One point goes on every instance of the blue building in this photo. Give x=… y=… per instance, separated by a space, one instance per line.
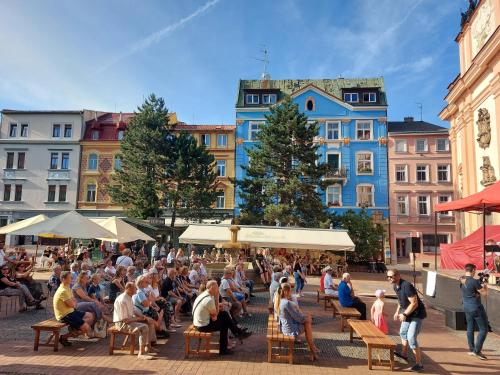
x=352 y=118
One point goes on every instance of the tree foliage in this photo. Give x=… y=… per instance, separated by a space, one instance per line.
x=282 y=177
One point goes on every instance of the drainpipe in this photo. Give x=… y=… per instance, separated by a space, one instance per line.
x=79 y=168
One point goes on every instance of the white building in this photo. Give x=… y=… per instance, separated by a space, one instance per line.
x=40 y=158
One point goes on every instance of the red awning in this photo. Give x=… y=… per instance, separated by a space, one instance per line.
x=488 y=199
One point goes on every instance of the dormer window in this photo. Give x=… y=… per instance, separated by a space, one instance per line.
x=269 y=98
x=121 y=134
x=252 y=99
x=369 y=97
x=95 y=135
x=351 y=97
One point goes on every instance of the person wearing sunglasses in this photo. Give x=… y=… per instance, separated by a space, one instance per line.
x=9 y=287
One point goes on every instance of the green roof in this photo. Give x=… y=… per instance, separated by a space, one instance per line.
x=331 y=86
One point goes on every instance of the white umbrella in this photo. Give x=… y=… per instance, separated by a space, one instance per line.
x=123 y=232
x=22 y=224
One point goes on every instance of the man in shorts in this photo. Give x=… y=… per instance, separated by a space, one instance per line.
x=64 y=309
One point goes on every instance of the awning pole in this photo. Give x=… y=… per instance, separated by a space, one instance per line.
x=435 y=240
x=484 y=236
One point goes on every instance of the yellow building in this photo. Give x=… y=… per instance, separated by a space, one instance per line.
x=473 y=108
x=220 y=142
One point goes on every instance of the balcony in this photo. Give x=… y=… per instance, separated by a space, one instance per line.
x=58 y=174
x=336 y=174
x=14 y=174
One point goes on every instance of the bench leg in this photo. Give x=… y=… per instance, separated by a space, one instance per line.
x=269 y=351
x=290 y=352
x=56 y=340
x=186 y=347
x=132 y=344
x=318 y=296
x=207 y=345
x=369 y=357
x=341 y=323
x=351 y=333
x=111 y=343
x=391 y=358
x=37 y=339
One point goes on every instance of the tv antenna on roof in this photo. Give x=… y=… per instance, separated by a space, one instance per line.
x=265 y=60
x=420 y=107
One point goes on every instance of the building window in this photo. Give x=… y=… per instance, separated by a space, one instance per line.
x=423 y=205
x=442 y=144
x=18 y=197
x=443 y=173
x=118 y=163
x=95 y=135
x=68 y=130
x=91 y=190
x=422 y=173
x=21 y=158
x=13 y=131
x=351 y=97
x=253 y=130
x=429 y=242
x=252 y=99
x=269 y=98
x=364 y=194
x=92 y=164
x=364 y=163
x=402 y=205
x=65 y=160
x=221 y=168
x=24 y=130
x=370 y=97
x=62 y=193
x=121 y=134
x=10 y=160
x=421 y=145
x=401 y=173
x=334 y=196
x=444 y=199
x=220 y=202
x=56 y=131
x=310 y=105
x=221 y=140
x=54 y=160
x=401 y=145
x=333 y=131
x=52 y=193
x=205 y=140
x=6 y=192
x=363 y=130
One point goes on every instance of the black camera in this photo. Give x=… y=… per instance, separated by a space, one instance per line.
x=483 y=277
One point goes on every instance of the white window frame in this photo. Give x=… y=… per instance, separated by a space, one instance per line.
x=348 y=97
x=218 y=200
x=16 y=125
x=338 y=193
x=62 y=160
x=427 y=173
x=253 y=96
x=448 y=170
x=405 y=201
x=87 y=193
x=426 y=143
x=120 y=135
x=372 y=193
x=427 y=203
x=96 y=162
x=48 y=193
x=50 y=160
x=448 y=199
x=224 y=136
x=63 y=131
x=446 y=147
x=358 y=154
x=339 y=130
x=65 y=194
x=252 y=132
x=94 y=131
x=372 y=97
x=405 y=166
x=358 y=123
x=221 y=165
x=269 y=101
x=21 y=130
x=203 y=139
x=60 y=130
x=399 y=141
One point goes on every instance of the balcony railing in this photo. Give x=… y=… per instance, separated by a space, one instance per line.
x=14 y=174
x=58 y=174
x=336 y=174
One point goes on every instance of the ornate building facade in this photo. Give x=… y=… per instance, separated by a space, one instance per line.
x=473 y=107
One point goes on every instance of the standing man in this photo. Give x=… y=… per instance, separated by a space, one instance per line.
x=410 y=312
x=155 y=252
x=472 y=289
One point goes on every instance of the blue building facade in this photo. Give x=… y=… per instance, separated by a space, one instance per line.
x=352 y=136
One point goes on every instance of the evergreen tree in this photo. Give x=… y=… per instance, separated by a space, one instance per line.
x=283 y=171
x=144 y=152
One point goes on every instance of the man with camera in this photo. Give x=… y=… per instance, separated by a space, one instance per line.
x=472 y=289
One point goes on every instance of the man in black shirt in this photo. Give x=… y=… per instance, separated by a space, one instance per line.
x=410 y=312
x=471 y=290
x=168 y=291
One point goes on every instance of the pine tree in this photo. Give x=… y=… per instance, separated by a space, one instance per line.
x=284 y=171
x=143 y=152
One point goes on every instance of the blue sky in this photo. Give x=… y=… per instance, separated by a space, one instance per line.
x=107 y=55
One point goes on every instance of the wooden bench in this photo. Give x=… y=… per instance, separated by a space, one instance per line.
x=54 y=327
x=374 y=338
x=192 y=333
x=327 y=298
x=274 y=335
x=114 y=331
x=345 y=313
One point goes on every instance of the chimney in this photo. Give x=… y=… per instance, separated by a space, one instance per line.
x=408 y=119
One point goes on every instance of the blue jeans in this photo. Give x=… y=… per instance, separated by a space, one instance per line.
x=479 y=316
x=249 y=284
x=299 y=283
x=409 y=332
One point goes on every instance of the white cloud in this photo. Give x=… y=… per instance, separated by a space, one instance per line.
x=418 y=66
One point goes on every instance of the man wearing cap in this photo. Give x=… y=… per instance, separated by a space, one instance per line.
x=330 y=287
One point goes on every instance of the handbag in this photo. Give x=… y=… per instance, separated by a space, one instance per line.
x=100 y=329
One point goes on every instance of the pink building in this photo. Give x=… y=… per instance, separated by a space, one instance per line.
x=419 y=177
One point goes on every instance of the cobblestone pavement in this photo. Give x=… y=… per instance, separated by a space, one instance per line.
x=444 y=350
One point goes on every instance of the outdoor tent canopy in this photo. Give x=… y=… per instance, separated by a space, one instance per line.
x=22 y=224
x=278 y=237
x=122 y=231
x=487 y=199
x=68 y=225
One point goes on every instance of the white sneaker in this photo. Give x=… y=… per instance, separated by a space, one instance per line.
x=145 y=357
